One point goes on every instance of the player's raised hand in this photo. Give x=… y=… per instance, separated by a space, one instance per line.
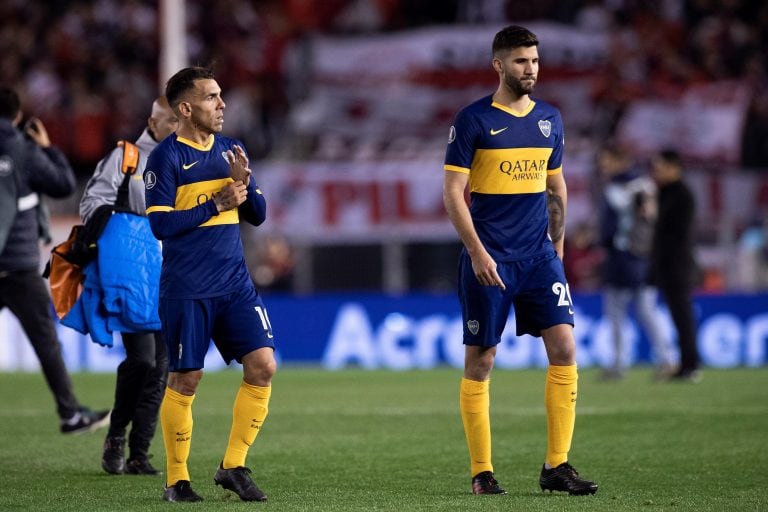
x=231 y=196
x=238 y=164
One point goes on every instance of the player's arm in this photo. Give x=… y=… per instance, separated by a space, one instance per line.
x=254 y=209
x=557 y=201
x=160 y=196
x=102 y=187
x=169 y=223
x=484 y=267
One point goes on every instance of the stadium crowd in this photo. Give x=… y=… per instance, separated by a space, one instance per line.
x=85 y=66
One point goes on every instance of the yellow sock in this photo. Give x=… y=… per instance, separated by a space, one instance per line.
x=176 y=423
x=474 y=403
x=250 y=410
x=560 y=401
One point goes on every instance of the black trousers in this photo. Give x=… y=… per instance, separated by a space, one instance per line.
x=25 y=294
x=679 y=300
x=139 y=390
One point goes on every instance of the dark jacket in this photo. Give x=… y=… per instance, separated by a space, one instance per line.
x=26 y=173
x=672 y=260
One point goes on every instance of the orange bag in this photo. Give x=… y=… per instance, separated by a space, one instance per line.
x=65 y=277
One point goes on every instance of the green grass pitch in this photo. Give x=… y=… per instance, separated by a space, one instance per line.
x=377 y=440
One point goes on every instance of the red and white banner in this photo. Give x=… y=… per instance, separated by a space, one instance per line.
x=410 y=56
x=393 y=96
x=337 y=203
x=321 y=202
x=706 y=123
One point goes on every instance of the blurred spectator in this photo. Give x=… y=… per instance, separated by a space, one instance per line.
x=673 y=266
x=752 y=265
x=275 y=263
x=754 y=151
x=627 y=216
x=91 y=51
x=583 y=257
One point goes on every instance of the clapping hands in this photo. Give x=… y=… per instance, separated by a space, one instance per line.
x=238 y=165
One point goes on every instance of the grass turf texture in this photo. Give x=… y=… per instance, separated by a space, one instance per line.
x=358 y=440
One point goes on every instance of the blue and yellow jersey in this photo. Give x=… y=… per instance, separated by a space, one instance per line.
x=508 y=156
x=202 y=249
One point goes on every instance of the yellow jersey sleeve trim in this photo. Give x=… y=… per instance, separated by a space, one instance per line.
x=159 y=209
x=552 y=172
x=456 y=168
x=201 y=147
x=514 y=112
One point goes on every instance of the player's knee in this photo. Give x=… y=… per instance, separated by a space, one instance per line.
x=185 y=382
x=562 y=354
x=479 y=369
x=260 y=374
x=266 y=371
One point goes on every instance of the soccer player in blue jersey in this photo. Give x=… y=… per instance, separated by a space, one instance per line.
x=197 y=187
x=508 y=147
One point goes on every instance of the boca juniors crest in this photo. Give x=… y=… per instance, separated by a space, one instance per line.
x=545 y=127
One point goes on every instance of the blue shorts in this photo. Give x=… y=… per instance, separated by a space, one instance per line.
x=237 y=323
x=536 y=287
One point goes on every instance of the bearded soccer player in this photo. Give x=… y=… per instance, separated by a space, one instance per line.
x=508 y=147
x=197 y=187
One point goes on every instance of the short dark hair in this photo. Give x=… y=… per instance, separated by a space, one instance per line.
x=615 y=149
x=513 y=36
x=184 y=81
x=671 y=156
x=9 y=102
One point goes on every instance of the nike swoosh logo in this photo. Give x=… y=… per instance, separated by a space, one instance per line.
x=496 y=132
x=187 y=166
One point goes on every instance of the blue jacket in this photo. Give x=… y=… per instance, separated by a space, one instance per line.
x=122 y=286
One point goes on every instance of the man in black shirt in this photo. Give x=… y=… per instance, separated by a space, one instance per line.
x=673 y=267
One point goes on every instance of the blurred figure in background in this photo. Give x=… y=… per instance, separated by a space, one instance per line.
x=141 y=376
x=275 y=264
x=583 y=257
x=673 y=266
x=752 y=267
x=627 y=216
x=29 y=168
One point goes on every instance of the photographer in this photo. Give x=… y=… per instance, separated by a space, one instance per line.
x=30 y=168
